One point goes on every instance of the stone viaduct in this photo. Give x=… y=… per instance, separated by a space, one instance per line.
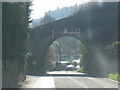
x=97 y=25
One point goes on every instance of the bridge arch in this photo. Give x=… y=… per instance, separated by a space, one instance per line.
x=96 y=33
x=59 y=42
x=42 y=37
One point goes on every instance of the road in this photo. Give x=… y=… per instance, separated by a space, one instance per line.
x=68 y=79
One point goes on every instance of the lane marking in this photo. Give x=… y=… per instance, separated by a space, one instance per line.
x=94 y=79
x=111 y=80
x=78 y=83
x=43 y=82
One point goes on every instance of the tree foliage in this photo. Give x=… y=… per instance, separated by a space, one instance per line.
x=83 y=52
x=51 y=56
x=47 y=18
x=15 y=22
x=59 y=13
x=112 y=49
x=101 y=19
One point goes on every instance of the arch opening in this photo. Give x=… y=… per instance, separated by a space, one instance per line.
x=65 y=53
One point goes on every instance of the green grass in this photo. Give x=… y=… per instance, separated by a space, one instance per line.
x=80 y=70
x=114 y=76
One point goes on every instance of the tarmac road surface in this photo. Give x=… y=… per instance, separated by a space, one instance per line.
x=68 y=79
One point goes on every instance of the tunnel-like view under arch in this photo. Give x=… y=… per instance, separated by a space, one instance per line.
x=65 y=53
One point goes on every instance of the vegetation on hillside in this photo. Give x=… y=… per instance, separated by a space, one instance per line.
x=59 y=13
x=47 y=19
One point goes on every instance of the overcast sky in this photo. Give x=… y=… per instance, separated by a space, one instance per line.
x=41 y=6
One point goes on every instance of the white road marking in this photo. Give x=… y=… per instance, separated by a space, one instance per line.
x=42 y=82
x=93 y=79
x=78 y=83
x=102 y=83
x=111 y=80
x=48 y=82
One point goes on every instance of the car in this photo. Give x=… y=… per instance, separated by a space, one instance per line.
x=70 y=67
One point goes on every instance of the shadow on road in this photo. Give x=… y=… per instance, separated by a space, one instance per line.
x=65 y=75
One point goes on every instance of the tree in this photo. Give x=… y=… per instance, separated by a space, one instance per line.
x=83 y=51
x=15 y=22
x=15 y=30
x=112 y=49
x=47 y=18
x=51 y=56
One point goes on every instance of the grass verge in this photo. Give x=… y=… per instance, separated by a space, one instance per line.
x=80 y=70
x=114 y=76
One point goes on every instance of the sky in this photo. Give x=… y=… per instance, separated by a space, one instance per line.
x=39 y=7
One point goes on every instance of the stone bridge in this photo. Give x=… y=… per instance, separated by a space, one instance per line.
x=96 y=26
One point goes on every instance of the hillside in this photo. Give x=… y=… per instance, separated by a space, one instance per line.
x=59 y=13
